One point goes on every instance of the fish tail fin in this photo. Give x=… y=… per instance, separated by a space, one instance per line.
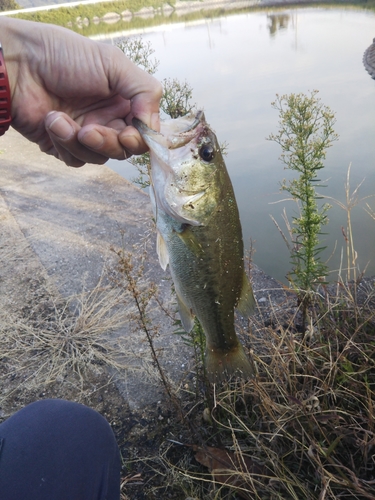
x=222 y=366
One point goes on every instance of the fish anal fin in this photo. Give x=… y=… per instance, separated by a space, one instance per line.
x=162 y=251
x=246 y=304
x=186 y=315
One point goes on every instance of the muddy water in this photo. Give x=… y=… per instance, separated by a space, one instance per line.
x=236 y=65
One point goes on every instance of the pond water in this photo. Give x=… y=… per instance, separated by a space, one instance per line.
x=236 y=65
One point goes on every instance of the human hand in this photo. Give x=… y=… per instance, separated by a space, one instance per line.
x=74 y=97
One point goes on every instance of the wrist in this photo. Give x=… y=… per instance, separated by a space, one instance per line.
x=12 y=33
x=5 y=96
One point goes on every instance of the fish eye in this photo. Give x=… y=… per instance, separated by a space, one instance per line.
x=207 y=152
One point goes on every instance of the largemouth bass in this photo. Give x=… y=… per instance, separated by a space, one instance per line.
x=199 y=235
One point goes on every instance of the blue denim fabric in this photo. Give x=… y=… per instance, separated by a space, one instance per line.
x=58 y=450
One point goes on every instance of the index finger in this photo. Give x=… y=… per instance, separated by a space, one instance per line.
x=145 y=107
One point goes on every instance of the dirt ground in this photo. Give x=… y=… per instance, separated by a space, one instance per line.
x=28 y=298
x=30 y=302
x=34 y=313
x=55 y=226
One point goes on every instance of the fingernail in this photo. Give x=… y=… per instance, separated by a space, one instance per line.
x=93 y=139
x=61 y=128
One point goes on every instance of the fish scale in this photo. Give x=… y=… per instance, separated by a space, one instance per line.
x=200 y=237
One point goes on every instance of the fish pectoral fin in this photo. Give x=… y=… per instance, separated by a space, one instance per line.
x=162 y=251
x=186 y=314
x=175 y=213
x=190 y=241
x=177 y=203
x=246 y=304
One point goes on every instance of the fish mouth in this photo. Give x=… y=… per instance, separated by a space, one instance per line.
x=197 y=120
x=173 y=133
x=169 y=148
x=142 y=128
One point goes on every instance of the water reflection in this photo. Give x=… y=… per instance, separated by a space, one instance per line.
x=236 y=65
x=277 y=22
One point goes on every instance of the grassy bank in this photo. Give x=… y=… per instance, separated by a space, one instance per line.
x=90 y=19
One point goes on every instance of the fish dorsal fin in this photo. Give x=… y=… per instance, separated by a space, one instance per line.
x=246 y=304
x=162 y=251
x=186 y=315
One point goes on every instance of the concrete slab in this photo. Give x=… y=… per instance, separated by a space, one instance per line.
x=71 y=218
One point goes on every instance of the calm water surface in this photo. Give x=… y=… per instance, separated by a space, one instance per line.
x=236 y=65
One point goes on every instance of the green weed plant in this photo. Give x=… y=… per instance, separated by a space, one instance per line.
x=305 y=133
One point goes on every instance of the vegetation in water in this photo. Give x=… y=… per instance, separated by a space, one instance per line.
x=175 y=101
x=107 y=17
x=8 y=5
x=305 y=133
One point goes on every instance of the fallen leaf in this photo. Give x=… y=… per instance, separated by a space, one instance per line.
x=230 y=468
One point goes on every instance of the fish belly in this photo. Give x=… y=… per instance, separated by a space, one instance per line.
x=207 y=271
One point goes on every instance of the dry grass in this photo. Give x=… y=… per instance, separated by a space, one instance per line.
x=303 y=428
x=306 y=422
x=60 y=337
x=46 y=338
x=308 y=419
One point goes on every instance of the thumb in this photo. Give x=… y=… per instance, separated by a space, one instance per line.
x=142 y=89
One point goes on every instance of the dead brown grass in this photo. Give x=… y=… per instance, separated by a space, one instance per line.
x=308 y=419
x=59 y=337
